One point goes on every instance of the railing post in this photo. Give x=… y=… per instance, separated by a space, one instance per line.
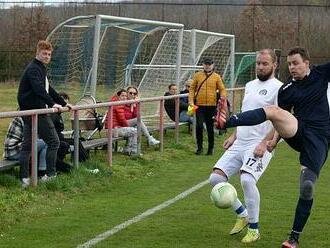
x=161 y=125
x=194 y=128
x=34 y=150
x=110 y=126
x=138 y=127
x=76 y=138
x=177 y=109
x=234 y=101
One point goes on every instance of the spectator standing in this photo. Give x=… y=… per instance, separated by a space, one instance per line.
x=35 y=92
x=203 y=93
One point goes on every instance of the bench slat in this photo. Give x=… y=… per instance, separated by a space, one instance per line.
x=7 y=164
x=93 y=143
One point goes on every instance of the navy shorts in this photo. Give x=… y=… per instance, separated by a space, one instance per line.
x=312 y=144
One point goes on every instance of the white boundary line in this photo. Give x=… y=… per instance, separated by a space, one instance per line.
x=140 y=217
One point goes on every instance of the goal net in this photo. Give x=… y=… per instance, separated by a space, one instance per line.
x=97 y=55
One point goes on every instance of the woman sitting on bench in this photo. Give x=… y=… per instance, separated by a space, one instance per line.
x=120 y=124
x=131 y=115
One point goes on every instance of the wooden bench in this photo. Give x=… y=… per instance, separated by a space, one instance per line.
x=171 y=126
x=100 y=142
x=8 y=164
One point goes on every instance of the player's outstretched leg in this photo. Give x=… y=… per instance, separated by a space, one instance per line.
x=218 y=176
x=247 y=118
x=283 y=121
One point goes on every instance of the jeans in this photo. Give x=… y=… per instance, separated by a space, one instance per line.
x=144 y=129
x=183 y=117
x=47 y=133
x=131 y=134
x=42 y=149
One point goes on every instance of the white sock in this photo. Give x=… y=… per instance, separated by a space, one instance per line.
x=239 y=208
x=251 y=196
x=237 y=205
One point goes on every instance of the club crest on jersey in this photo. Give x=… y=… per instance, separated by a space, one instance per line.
x=263 y=92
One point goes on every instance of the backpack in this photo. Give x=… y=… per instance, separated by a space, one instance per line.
x=83 y=153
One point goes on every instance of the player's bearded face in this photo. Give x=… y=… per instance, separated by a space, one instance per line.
x=265 y=75
x=264 y=67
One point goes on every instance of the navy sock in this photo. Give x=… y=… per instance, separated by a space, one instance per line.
x=247 y=118
x=303 y=211
x=254 y=225
x=240 y=209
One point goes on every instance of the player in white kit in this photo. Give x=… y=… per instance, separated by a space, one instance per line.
x=246 y=149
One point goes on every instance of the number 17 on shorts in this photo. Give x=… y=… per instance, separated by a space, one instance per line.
x=256 y=166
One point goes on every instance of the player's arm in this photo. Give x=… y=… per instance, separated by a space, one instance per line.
x=228 y=142
x=271 y=144
x=261 y=148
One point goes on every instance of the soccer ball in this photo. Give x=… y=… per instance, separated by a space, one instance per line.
x=223 y=195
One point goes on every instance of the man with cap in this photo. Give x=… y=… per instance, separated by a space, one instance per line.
x=203 y=93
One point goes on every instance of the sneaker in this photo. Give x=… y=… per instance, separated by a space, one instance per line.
x=240 y=224
x=25 y=182
x=126 y=150
x=252 y=235
x=290 y=243
x=95 y=171
x=199 y=151
x=46 y=178
x=152 y=141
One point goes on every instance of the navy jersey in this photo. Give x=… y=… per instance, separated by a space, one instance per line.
x=308 y=98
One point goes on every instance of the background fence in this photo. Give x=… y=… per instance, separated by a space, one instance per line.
x=256 y=24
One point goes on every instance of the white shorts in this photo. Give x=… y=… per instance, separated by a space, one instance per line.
x=238 y=158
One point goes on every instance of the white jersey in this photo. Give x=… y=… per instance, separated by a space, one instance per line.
x=258 y=94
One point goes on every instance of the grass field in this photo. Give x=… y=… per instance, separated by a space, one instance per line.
x=75 y=208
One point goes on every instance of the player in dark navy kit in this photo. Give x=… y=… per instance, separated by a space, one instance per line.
x=306 y=129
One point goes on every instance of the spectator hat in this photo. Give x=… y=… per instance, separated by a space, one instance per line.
x=208 y=61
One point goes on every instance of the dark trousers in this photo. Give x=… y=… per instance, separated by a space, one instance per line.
x=47 y=133
x=62 y=166
x=205 y=114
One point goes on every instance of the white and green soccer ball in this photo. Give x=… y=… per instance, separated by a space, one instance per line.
x=223 y=195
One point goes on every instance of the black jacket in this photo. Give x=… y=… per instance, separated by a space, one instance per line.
x=170 y=106
x=32 y=92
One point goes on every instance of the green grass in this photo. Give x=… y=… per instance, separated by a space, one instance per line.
x=76 y=207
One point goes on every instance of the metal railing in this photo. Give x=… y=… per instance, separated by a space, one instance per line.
x=34 y=113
